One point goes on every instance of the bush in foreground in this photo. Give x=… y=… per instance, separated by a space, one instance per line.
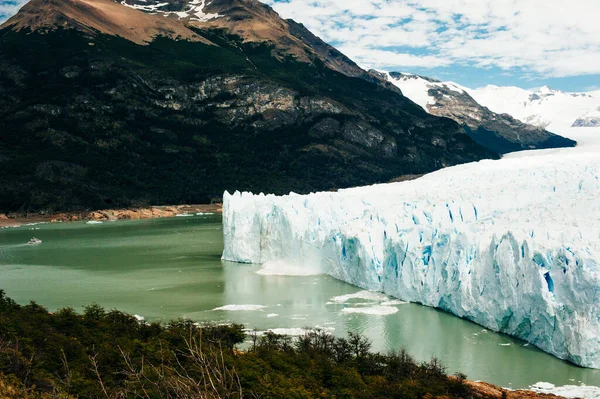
x=109 y=354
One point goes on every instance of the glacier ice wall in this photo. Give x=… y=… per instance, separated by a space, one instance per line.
x=513 y=245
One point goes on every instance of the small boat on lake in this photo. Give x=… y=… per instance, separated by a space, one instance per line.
x=34 y=241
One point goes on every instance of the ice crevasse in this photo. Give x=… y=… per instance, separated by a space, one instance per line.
x=513 y=245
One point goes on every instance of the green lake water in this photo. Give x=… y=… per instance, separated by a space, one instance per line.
x=164 y=269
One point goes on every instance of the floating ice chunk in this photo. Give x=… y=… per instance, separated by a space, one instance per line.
x=184 y=214
x=567 y=391
x=288 y=331
x=270 y=315
x=295 y=331
x=393 y=303
x=241 y=307
x=367 y=295
x=543 y=385
x=139 y=318
x=282 y=268
x=93 y=222
x=373 y=310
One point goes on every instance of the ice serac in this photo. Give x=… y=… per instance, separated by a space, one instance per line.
x=512 y=245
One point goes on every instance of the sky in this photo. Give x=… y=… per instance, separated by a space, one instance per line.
x=524 y=43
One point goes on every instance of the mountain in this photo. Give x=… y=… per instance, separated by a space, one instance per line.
x=94 y=16
x=590 y=119
x=105 y=104
x=499 y=132
x=554 y=110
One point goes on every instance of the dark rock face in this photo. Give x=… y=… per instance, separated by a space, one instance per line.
x=97 y=121
x=367 y=136
x=325 y=128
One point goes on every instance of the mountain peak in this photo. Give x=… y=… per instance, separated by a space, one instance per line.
x=140 y=21
x=98 y=16
x=546 y=90
x=257 y=22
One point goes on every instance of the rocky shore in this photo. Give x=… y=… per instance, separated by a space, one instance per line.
x=19 y=219
x=487 y=390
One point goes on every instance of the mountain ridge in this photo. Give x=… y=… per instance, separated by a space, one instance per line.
x=92 y=120
x=252 y=20
x=551 y=109
x=498 y=132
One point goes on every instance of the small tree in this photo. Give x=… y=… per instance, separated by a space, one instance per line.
x=360 y=345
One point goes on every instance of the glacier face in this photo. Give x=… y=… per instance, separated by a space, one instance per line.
x=513 y=245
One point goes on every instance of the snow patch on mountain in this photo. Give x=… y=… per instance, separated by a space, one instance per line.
x=194 y=10
x=415 y=88
x=552 y=109
x=546 y=108
x=513 y=245
x=197 y=13
x=146 y=7
x=591 y=119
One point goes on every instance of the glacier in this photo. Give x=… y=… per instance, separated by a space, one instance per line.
x=513 y=244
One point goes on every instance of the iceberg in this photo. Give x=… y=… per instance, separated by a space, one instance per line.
x=513 y=245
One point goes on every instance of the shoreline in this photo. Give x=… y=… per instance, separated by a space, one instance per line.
x=493 y=391
x=18 y=219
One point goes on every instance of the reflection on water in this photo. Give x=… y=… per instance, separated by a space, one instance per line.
x=169 y=268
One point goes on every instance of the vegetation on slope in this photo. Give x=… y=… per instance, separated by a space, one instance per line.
x=93 y=122
x=109 y=354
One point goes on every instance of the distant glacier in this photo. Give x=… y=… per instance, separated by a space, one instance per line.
x=513 y=245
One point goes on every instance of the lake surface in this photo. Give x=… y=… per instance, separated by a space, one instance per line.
x=163 y=269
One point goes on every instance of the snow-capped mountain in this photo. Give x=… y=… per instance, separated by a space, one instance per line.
x=591 y=119
x=554 y=110
x=499 y=132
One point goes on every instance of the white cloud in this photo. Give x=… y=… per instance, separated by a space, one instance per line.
x=542 y=37
x=374 y=58
x=9 y=8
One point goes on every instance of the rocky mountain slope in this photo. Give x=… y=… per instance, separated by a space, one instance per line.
x=499 y=132
x=551 y=109
x=105 y=105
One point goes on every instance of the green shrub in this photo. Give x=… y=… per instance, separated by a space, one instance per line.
x=110 y=354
